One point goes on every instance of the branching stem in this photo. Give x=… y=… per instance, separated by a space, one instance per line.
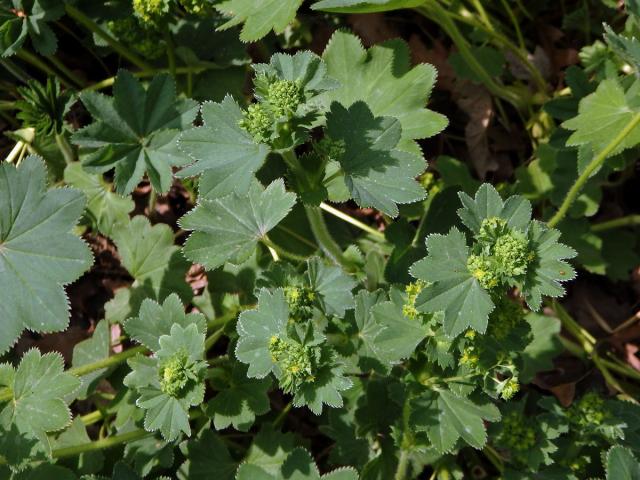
x=593 y=166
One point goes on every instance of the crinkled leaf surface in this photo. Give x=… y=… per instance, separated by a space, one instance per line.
x=207 y=458
x=398 y=336
x=621 y=464
x=549 y=268
x=136 y=131
x=487 y=203
x=92 y=350
x=259 y=16
x=376 y=173
x=241 y=402
x=332 y=285
x=168 y=413
x=104 y=207
x=226 y=153
x=39 y=386
x=256 y=327
x=603 y=115
x=150 y=256
x=382 y=77
x=228 y=229
x=299 y=465
x=452 y=289
x=33 y=22
x=155 y=320
x=38 y=254
x=446 y=418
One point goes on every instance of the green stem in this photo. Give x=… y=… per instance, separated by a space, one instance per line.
x=72 y=77
x=15 y=70
x=7 y=105
x=282 y=415
x=323 y=236
x=493 y=457
x=65 y=148
x=107 y=362
x=594 y=165
x=403 y=466
x=438 y=14
x=108 y=82
x=285 y=253
x=40 y=65
x=125 y=52
x=171 y=54
x=378 y=235
x=628 y=221
x=515 y=23
x=213 y=338
x=101 y=444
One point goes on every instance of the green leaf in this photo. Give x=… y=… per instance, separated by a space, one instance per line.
x=364 y=6
x=398 y=336
x=207 y=457
x=258 y=329
x=259 y=16
x=452 y=289
x=105 y=209
x=92 y=350
x=38 y=254
x=627 y=48
x=226 y=153
x=377 y=174
x=516 y=211
x=37 y=406
x=76 y=434
x=332 y=285
x=270 y=448
x=446 y=417
x=151 y=258
x=155 y=320
x=538 y=355
x=383 y=78
x=136 y=131
x=602 y=116
x=622 y=465
x=240 y=403
x=548 y=269
x=491 y=59
x=171 y=382
x=299 y=465
x=34 y=22
x=228 y=229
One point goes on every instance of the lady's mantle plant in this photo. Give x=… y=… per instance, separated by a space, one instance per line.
x=400 y=359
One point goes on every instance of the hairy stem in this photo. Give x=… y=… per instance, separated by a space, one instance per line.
x=403 y=466
x=594 y=165
x=73 y=78
x=90 y=25
x=321 y=232
x=628 y=221
x=376 y=234
x=66 y=149
x=281 y=251
x=101 y=444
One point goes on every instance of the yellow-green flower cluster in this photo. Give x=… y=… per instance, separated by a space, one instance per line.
x=517 y=435
x=175 y=373
x=150 y=11
x=300 y=301
x=258 y=122
x=413 y=290
x=144 y=39
x=197 y=7
x=512 y=254
x=295 y=362
x=284 y=97
x=483 y=269
x=504 y=318
x=589 y=411
x=509 y=388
